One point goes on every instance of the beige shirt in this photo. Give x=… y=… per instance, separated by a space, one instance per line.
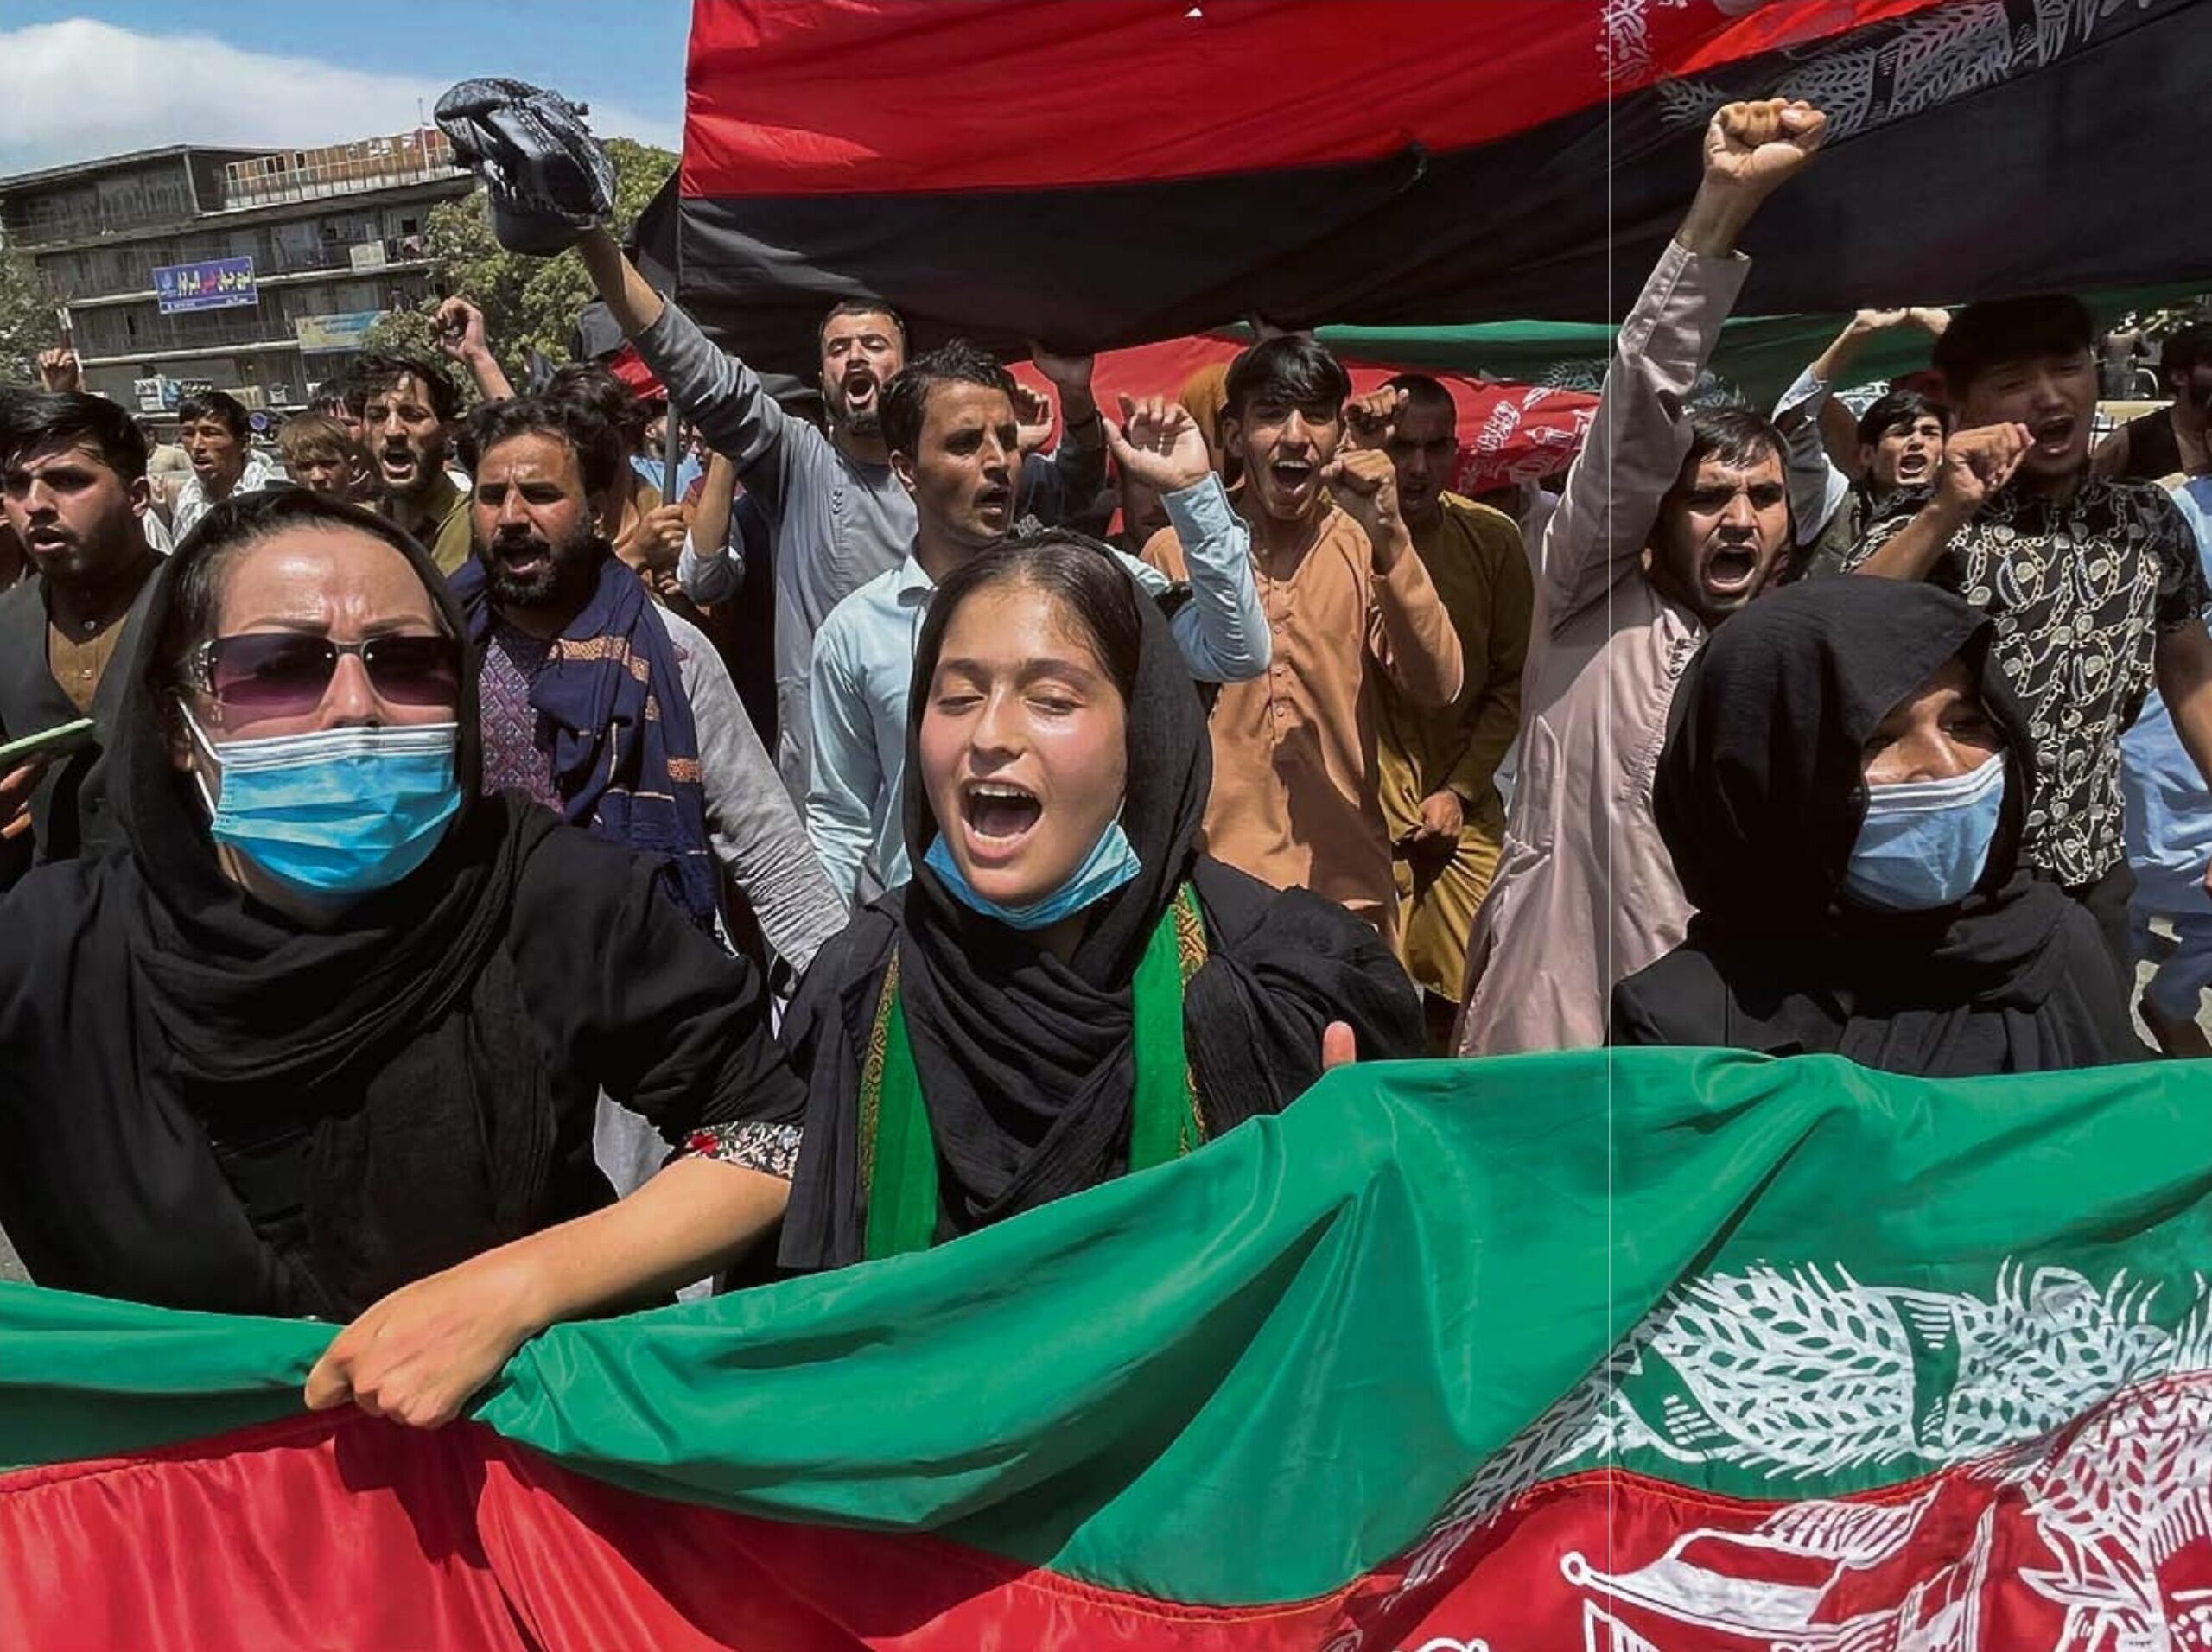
x=1294 y=798
x=1585 y=893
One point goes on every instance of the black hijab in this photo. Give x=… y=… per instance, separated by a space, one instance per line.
x=240 y=992
x=204 y=1104
x=1028 y=1062
x=1760 y=795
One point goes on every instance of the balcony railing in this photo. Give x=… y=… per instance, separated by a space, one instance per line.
x=339 y=169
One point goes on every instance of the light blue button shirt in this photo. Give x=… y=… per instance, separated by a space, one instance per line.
x=864 y=667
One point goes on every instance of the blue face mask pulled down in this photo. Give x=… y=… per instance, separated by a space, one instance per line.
x=1924 y=843
x=1111 y=863
x=341 y=812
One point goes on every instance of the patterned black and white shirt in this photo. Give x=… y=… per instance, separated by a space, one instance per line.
x=2080 y=589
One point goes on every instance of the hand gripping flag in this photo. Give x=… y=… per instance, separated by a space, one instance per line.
x=1120 y=171
x=1666 y=1350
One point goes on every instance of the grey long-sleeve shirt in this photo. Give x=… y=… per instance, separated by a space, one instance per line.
x=754 y=826
x=838 y=523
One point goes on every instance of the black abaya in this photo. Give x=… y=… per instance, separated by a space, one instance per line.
x=1760 y=794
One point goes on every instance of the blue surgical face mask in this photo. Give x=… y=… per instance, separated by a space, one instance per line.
x=1925 y=842
x=341 y=812
x=1111 y=863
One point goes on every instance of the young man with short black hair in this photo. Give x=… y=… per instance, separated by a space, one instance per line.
x=2093 y=583
x=1296 y=798
x=73 y=486
x=217 y=431
x=1896 y=443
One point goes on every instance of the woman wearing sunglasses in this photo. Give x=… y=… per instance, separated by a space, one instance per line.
x=328 y=1039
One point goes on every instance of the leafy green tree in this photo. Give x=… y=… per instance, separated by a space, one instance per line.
x=27 y=320
x=528 y=303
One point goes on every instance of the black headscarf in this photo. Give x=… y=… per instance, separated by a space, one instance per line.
x=206 y=1104
x=1028 y=1062
x=1760 y=795
x=240 y=992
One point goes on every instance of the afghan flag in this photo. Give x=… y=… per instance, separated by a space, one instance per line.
x=1663 y=1350
x=1094 y=173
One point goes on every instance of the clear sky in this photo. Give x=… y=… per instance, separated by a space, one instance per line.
x=104 y=76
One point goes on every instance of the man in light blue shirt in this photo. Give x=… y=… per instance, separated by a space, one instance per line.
x=949 y=423
x=2169 y=826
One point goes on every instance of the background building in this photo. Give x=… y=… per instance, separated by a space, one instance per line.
x=251 y=271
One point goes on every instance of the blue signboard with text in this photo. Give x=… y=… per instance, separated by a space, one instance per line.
x=219 y=283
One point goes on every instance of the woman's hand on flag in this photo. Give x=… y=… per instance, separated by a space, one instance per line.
x=420 y=1353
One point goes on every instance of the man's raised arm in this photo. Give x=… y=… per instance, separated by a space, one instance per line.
x=1642 y=432
x=715 y=391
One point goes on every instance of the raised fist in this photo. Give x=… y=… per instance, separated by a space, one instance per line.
x=1976 y=463
x=460 y=329
x=1369 y=419
x=1365 y=486
x=1755 y=146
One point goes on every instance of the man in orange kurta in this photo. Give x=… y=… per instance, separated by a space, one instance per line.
x=1296 y=797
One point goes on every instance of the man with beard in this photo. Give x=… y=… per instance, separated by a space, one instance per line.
x=953 y=428
x=1296 y=800
x=1896 y=443
x=601 y=705
x=1669 y=523
x=616 y=714
x=838 y=516
x=1437 y=766
x=407 y=412
x=73 y=486
x=214 y=429
x=2093 y=583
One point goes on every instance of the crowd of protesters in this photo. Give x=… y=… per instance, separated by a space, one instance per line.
x=899 y=825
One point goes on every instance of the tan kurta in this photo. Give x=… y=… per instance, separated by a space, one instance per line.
x=1586 y=894
x=1474 y=558
x=1294 y=800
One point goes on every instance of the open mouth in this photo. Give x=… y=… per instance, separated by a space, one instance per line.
x=995 y=502
x=1291 y=475
x=1912 y=467
x=998 y=815
x=523 y=558
x=2053 y=435
x=1730 y=570
x=397 y=464
x=859 y=390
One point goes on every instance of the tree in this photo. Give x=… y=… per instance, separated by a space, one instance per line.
x=28 y=324
x=528 y=303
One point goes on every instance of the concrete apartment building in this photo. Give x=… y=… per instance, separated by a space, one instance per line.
x=249 y=271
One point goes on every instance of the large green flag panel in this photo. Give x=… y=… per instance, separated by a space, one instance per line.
x=1683 y=1349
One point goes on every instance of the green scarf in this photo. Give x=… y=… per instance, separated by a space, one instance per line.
x=898 y=1154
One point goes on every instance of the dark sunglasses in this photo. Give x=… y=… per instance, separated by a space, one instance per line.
x=285 y=674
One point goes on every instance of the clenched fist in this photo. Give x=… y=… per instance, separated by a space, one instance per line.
x=1755 y=147
x=1365 y=486
x=1976 y=463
